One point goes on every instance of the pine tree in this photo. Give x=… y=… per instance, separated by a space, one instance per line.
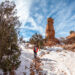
x=37 y=39
x=9 y=50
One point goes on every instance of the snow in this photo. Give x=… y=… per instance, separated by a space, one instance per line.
x=26 y=59
x=55 y=61
x=59 y=63
x=54 y=48
x=1 y=72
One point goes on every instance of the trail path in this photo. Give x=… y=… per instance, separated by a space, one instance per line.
x=53 y=61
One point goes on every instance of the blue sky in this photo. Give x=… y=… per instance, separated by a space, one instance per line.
x=33 y=15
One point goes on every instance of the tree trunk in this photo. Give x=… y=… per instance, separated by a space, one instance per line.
x=5 y=73
x=12 y=73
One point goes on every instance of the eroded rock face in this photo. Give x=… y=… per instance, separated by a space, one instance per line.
x=70 y=39
x=50 y=39
x=71 y=35
x=50 y=32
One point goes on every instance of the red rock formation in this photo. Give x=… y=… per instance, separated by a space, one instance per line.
x=71 y=35
x=50 y=33
x=70 y=39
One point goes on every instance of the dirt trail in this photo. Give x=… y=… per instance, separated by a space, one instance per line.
x=35 y=68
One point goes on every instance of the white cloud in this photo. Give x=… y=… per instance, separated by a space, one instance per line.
x=54 y=8
x=26 y=38
x=33 y=26
x=2 y=1
x=39 y=18
x=23 y=9
x=63 y=18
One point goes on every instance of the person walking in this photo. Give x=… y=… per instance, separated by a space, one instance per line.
x=35 y=51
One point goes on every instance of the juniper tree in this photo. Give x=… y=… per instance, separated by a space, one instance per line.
x=37 y=39
x=9 y=23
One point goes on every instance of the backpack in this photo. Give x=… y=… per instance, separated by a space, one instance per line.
x=35 y=49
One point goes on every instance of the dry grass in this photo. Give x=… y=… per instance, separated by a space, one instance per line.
x=35 y=67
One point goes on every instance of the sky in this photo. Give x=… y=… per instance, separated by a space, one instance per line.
x=33 y=15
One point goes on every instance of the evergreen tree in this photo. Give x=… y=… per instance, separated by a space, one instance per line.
x=9 y=50
x=37 y=39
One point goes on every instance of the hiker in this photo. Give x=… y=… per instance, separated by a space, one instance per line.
x=35 y=51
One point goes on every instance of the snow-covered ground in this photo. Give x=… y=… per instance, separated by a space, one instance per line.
x=26 y=59
x=58 y=62
x=55 y=61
